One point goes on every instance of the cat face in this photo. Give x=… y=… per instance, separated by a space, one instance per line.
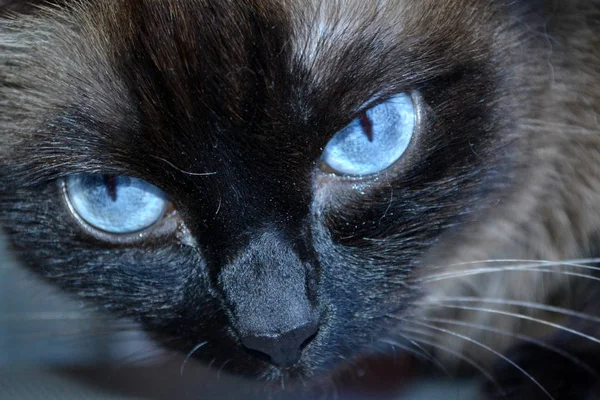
x=264 y=254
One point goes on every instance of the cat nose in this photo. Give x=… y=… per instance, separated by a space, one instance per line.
x=284 y=349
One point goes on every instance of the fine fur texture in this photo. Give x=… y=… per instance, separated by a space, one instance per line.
x=227 y=105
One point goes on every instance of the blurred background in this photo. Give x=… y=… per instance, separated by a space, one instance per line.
x=51 y=347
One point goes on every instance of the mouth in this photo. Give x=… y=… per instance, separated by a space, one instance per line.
x=230 y=358
x=319 y=360
x=373 y=377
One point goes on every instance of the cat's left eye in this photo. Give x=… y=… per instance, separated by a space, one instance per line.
x=115 y=204
x=374 y=141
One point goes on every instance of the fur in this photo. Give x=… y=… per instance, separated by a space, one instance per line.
x=227 y=105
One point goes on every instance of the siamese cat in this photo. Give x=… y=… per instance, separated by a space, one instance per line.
x=284 y=186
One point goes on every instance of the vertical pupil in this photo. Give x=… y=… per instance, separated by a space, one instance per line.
x=367 y=125
x=110 y=182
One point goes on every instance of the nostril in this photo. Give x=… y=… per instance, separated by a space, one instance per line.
x=284 y=349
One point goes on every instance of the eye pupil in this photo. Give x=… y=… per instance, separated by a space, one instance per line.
x=367 y=125
x=110 y=181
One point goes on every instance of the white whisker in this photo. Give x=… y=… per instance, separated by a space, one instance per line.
x=526 y=304
x=187 y=357
x=527 y=267
x=69 y=332
x=581 y=262
x=48 y=316
x=181 y=170
x=483 y=346
x=521 y=316
x=139 y=357
x=400 y=346
x=210 y=364
x=434 y=359
x=302 y=381
x=421 y=353
x=221 y=369
x=450 y=351
x=524 y=338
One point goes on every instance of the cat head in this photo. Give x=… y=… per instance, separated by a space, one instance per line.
x=288 y=228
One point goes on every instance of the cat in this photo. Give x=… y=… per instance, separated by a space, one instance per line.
x=278 y=186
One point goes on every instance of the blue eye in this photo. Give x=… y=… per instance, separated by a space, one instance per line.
x=116 y=204
x=375 y=140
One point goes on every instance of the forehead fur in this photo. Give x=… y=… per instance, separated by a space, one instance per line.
x=125 y=63
x=326 y=31
x=89 y=38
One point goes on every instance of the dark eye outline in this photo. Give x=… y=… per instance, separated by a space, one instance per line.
x=407 y=155
x=169 y=224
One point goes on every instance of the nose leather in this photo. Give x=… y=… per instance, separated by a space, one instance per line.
x=283 y=349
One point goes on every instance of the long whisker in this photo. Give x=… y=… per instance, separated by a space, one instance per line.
x=137 y=357
x=144 y=356
x=521 y=316
x=483 y=346
x=421 y=353
x=468 y=360
x=181 y=170
x=61 y=332
x=71 y=336
x=407 y=349
x=150 y=357
x=481 y=271
x=431 y=357
x=221 y=368
x=524 y=338
x=187 y=357
x=351 y=363
x=580 y=263
x=47 y=316
x=210 y=364
x=527 y=304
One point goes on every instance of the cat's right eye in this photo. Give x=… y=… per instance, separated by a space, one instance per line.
x=115 y=204
x=374 y=141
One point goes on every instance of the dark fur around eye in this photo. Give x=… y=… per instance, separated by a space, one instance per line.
x=226 y=106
